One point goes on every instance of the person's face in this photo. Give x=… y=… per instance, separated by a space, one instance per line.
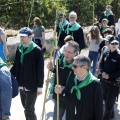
x=105 y=34
x=107 y=9
x=24 y=39
x=78 y=69
x=104 y=23
x=114 y=46
x=61 y=18
x=107 y=43
x=72 y=19
x=69 y=53
x=35 y=23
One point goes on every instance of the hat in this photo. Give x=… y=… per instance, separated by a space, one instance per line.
x=113 y=40
x=106 y=40
x=25 y=31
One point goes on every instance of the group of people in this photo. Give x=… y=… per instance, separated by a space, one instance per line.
x=81 y=91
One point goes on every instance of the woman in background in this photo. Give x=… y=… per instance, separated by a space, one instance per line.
x=94 y=42
x=39 y=33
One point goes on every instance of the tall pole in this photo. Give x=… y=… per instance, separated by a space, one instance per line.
x=23 y=12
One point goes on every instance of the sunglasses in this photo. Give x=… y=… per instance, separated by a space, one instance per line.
x=114 y=43
x=75 y=66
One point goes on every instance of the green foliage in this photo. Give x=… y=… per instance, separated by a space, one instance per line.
x=11 y=11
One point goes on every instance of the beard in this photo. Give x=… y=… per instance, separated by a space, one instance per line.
x=72 y=22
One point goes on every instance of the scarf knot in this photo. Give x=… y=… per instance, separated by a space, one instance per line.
x=89 y=78
x=31 y=46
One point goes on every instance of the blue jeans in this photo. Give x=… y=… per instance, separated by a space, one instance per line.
x=5 y=91
x=61 y=112
x=94 y=58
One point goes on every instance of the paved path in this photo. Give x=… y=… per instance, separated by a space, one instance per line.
x=17 y=111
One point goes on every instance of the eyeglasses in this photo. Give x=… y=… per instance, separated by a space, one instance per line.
x=75 y=66
x=68 y=52
x=114 y=43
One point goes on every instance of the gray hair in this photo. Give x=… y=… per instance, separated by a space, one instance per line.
x=73 y=44
x=83 y=61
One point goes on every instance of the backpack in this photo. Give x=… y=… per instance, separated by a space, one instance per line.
x=15 y=86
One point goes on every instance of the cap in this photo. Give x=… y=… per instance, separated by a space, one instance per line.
x=25 y=31
x=113 y=40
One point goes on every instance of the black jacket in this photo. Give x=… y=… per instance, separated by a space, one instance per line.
x=64 y=75
x=30 y=74
x=78 y=36
x=110 y=18
x=89 y=107
x=110 y=64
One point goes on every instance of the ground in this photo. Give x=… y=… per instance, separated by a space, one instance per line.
x=17 y=111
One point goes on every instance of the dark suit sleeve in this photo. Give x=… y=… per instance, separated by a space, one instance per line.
x=102 y=64
x=13 y=69
x=40 y=68
x=112 y=20
x=98 y=101
x=81 y=39
x=101 y=17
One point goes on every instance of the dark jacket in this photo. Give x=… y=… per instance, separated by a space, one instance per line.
x=89 y=107
x=30 y=74
x=110 y=18
x=78 y=36
x=64 y=75
x=110 y=64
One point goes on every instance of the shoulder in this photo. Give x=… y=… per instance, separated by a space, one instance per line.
x=1 y=31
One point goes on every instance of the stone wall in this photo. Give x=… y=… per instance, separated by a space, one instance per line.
x=13 y=42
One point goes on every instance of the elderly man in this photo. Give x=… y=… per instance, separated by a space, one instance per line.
x=108 y=14
x=75 y=30
x=65 y=62
x=83 y=93
x=110 y=69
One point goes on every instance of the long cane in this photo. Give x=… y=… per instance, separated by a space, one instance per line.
x=57 y=75
x=47 y=85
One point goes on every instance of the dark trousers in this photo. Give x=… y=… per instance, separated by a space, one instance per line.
x=110 y=93
x=28 y=99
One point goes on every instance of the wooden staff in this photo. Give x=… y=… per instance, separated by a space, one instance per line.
x=49 y=75
x=47 y=85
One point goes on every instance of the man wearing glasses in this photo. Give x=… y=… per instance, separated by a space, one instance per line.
x=110 y=69
x=65 y=71
x=83 y=92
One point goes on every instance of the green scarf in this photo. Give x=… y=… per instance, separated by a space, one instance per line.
x=74 y=27
x=31 y=46
x=103 y=28
x=88 y=79
x=62 y=25
x=65 y=64
x=2 y=63
x=107 y=14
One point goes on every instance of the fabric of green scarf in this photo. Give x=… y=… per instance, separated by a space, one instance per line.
x=67 y=65
x=74 y=27
x=88 y=79
x=31 y=46
x=62 y=25
x=2 y=63
x=103 y=28
x=107 y=14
